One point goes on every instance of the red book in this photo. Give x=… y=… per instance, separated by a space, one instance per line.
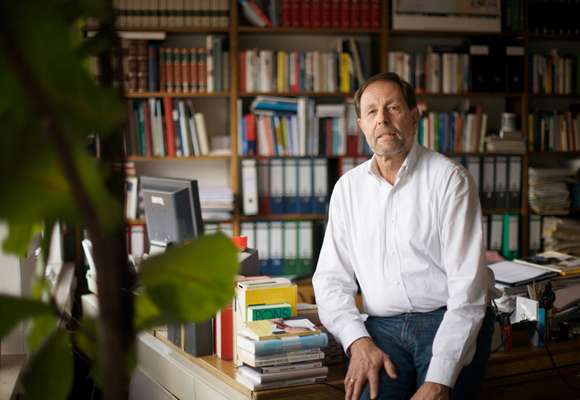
x=315 y=13
x=375 y=13
x=295 y=13
x=325 y=13
x=352 y=145
x=224 y=332
x=335 y=13
x=169 y=77
x=305 y=13
x=201 y=69
x=345 y=13
x=177 y=78
x=355 y=13
x=242 y=77
x=193 y=70
x=148 y=132
x=169 y=128
x=328 y=131
x=285 y=13
x=250 y=122
x=185 y=70
x=365 y=17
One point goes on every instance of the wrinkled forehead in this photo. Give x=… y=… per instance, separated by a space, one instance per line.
x=381 y=93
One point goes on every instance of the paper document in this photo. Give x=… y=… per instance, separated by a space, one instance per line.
x=511 y=273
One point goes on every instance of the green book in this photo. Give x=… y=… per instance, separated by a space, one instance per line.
x=260 y=312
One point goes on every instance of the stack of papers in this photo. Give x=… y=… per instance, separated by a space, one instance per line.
x=548 y=193
x=515 y=274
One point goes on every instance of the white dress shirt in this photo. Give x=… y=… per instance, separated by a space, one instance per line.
x=414 y=246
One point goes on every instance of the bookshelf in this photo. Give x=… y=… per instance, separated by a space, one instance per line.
x=377 y=42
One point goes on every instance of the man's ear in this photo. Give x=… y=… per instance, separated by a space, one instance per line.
x=415 y=117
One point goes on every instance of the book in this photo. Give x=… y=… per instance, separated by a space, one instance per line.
x=278 y=328
x=280 y=359
x=561 y=263
x=261 y=377
x=271 y=385
x=273 y=346
x=288 y=367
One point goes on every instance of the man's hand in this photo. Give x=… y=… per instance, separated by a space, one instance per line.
x=365 y=365
x=432 y=391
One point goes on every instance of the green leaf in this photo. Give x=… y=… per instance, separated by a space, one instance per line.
x=40 y=329
x=49 y=373
x=19 y=237
x=86 y=338
x=14 y=309
x=190 y=283
x=147 y=314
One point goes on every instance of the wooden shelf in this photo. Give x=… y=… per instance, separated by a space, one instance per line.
x=310 y=31
x=297 y=94
x=190 y=29
x=554 y=154
x=307 y=156
x=544 y=36
x=413 y=32
x=283 y=217
x=471 y=94
x=501 y=210
x=555 y=96
x=143 y=95
x=208 y=157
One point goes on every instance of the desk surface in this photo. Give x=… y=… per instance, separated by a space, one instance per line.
x=522 y=360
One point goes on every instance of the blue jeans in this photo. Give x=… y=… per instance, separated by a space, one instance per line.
x=408 y=340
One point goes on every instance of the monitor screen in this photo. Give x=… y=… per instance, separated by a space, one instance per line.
x=172 y=210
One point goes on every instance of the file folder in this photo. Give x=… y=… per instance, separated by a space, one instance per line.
x=290 y=248
x=320 y=184
x=496 y=232
x=291 y=200
x=276 y=186
x=263 y=246
x=305 y=185
x=305 y=234
x=249 y=187
x=473 y=165
x=264 y=186
x=487 y=187
x=276 y=249
x=500 y=188
x=248 y=229
x=515 y=182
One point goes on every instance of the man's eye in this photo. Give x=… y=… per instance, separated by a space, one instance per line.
x=372 y=112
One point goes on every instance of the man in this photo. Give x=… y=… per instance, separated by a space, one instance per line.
x=405 y=225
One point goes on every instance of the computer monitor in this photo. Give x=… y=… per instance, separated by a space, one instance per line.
x=172 y=210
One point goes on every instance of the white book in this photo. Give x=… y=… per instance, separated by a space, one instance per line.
x=271 y=385
x=260 y=377
x=289 y=367
x=202 y=133
x=190 y=110
x=184 y=125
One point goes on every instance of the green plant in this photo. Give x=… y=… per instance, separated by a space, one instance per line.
x=49 y=104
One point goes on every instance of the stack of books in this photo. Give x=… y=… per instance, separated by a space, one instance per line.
x=562 y=234
x=280 y=352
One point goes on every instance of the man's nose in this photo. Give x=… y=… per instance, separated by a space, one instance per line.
x=383 y=117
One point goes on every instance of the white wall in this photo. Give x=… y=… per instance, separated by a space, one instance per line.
x=15 y=279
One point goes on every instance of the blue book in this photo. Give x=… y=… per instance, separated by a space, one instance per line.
x=275 y=106
x=153 y=65
x=273 y=346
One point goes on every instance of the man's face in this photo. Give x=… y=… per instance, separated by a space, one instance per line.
x=386 y=121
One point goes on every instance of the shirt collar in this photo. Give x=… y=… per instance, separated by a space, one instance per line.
x=406 y=167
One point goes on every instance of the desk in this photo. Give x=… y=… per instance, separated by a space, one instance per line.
x=511 y=375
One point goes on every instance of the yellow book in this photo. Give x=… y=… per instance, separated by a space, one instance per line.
x=278 y=328
x=344 y=73
x=280 y=72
